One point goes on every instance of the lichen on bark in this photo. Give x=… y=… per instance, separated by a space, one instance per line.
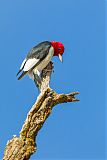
x=22 y=147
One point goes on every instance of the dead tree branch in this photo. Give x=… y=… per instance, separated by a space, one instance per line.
x=21 y=148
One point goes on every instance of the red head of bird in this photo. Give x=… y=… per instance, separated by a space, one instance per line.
x=58 y=49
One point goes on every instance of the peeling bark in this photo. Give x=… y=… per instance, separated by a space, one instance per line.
x=21 y=148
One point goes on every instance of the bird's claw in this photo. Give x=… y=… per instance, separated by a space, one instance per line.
x=37 y=80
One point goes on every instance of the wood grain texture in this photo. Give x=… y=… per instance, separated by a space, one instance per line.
x=21 y=148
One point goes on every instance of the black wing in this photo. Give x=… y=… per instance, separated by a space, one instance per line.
x=35 y=56
x=40 y=51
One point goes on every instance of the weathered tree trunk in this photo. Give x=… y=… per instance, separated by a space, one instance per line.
x=21 y=148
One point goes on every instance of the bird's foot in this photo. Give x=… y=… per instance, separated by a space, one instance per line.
x=37 y=80
x=44 y=72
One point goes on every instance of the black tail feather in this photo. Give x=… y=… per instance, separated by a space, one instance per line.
x=23 y=73
x=18 y=72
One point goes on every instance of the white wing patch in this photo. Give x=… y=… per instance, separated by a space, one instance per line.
x=30 y=63
x=22 y=64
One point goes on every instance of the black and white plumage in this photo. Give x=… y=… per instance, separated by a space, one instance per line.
x=37 y=59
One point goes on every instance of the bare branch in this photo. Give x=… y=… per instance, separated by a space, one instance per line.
x=24 y=146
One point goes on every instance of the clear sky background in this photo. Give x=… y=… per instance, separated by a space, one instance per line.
x=74 y=130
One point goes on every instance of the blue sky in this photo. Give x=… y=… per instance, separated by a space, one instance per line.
x=74 y=130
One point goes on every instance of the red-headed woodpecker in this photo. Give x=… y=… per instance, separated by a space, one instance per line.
x=39 y=57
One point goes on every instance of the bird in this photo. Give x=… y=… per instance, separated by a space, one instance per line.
x=38 y=58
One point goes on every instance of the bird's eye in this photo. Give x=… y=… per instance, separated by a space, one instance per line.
x=59 y=49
